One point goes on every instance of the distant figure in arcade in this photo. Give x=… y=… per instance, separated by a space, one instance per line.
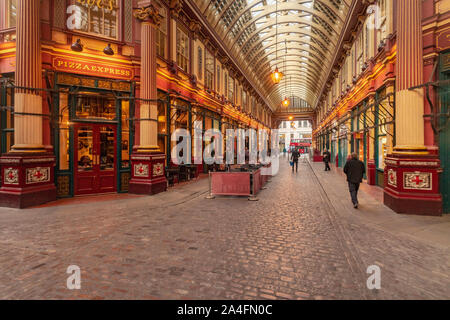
x=294 y=157
x=355 y=170
x=327 y=159
x=284 y=152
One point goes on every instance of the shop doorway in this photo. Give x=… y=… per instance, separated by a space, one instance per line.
x=95 y=158
x=94 y=134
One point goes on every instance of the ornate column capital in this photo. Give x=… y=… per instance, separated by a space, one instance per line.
x=175 y=8
x=148 y=13
x=195 y=27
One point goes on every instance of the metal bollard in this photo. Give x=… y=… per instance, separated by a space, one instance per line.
x=253 y=195
x=210 y=195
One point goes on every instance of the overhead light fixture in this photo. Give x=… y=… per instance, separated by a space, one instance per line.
x=276 y=75
x=291 y=118
x=286 y=101
x=77 y=46
x=108 y=50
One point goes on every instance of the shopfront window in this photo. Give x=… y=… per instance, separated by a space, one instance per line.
x=382 y=151
x=231 y=89
x=200 y=63
x=11 y=18
x=179 y=117
x=209 y=76
x=218 y=79
x=182 y=50
x=7 y=116
x=99 y=17
x=85 y=149
x=161 y=35
x=162 y=121
x=197 y=128
x=225 y=84
x=93 y=105
x=382 y=113
x=64 y=124
x=125 y=143
x=244 y=100
x=107 y=145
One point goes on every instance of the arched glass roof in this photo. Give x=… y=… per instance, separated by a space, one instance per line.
x=297 y=36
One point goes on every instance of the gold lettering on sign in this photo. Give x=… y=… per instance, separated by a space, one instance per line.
x=95 y=69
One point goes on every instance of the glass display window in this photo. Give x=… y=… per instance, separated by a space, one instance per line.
x=64 y=131
x=182 y=50
x=7 y=115
x=125 y=143
x=99 y=17
x=209 y=71
x=161 y=35
x=92 y=105
x=11 y=18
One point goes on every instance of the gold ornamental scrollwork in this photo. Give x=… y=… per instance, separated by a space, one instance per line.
x=148 y=14
x=175 y=8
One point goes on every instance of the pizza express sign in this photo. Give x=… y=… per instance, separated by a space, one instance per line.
x=92 y=68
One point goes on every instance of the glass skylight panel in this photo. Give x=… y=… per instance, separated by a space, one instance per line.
x=299 y=27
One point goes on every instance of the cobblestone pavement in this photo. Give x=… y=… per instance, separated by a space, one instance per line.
x=291 y=244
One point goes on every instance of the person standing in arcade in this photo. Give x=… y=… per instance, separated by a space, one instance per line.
x=327 y=159
x=355 y=170
x=294 y=158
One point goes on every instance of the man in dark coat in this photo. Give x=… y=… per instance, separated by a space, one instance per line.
x=327 y=159
x=355 y=170
x=294 y=158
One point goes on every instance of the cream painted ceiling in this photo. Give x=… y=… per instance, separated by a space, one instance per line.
x=308 y=32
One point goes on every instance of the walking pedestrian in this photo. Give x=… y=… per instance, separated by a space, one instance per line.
x=355 y=170
x=327 y=159
x=294 y=158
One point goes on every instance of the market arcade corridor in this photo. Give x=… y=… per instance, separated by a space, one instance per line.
x=301 y=240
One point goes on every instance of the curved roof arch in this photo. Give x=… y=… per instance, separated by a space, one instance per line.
x=271 y=23
x=262 y=6
x=303 y=59
x=293 y=37
x=254 y=33
x=297 y=10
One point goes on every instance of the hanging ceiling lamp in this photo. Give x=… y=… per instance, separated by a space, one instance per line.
x=276 y=74
x=286 y=102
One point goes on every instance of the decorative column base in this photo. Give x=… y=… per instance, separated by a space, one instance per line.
x=371 y=173
x=147 y=173
x=412 y=184
x=27 y=179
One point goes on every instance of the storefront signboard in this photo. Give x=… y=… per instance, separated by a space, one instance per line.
x=443 y=39
x=92 y=68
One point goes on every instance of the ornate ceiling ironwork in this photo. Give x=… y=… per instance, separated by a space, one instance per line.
x=310 y=28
